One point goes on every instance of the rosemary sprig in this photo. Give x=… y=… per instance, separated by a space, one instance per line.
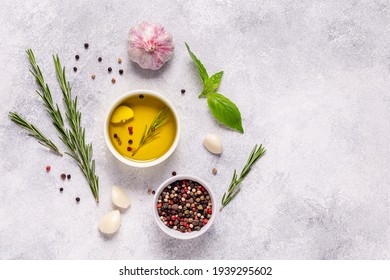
x=74 y=139
x=234 y=188
x=34 y=132
x=151 y=133
x=52 y=109
x=77 y=132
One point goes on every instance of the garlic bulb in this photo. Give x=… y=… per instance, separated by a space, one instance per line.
x=110 y=222
x=120 y=197
x=150 y=45
x=213 y=143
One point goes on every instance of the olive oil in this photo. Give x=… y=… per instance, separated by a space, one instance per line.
x=126 y=135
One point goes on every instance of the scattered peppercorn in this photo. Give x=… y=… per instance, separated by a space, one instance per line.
x=130 y=142
x=61 y=189
x=78 y=199
x=69 y=176
x=115 y=135
x=100 y=59
x=183 y=91
x=75 y=69
x=77 y=57
x=109 y=69
x=113 y=80
x=129 y=149
x=184 y=206
x=153 y=192
x=86 y=45
x=93 y=76
x=119 y=60
x=48 y=168
x=63 y=176
x=141 y=96
x=214 y=171
x=121 y=71
x=174 y=173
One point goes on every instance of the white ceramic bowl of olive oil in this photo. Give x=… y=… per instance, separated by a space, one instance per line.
x=142 y=128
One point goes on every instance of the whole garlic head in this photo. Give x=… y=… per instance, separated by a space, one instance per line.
x=150 y=45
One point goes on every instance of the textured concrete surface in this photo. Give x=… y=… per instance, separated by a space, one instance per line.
x=312 y=80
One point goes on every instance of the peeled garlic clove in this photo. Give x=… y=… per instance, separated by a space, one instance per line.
x=150 y=45
x=122 y=114
x=110 y=222
x=120 y=197
x=213 y=143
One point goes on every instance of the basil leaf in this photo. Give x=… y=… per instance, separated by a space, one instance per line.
x=207 y=88
x=199 y=66
x=211 y=84
x=225 y=111
x=216 y=80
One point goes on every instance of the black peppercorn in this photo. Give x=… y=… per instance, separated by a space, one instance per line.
x=63 y=176
x=174 y=173
x=121 y=71
x=115 y=135
x=109 y=69
x=77 y=57
x=130 y=142
x=78 y=199
x=61 y=189
x=100 y=59
x=68 y=176
x=75 y=69
x=86 y=45
x=141 y=96
x=183 y=91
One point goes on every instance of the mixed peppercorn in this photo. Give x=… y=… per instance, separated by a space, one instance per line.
x=100 y=59
x=63 y=177
x=184 y=206
x=130 y=141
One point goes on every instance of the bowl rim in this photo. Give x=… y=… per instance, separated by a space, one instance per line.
x=116 y=103
x=175 y=233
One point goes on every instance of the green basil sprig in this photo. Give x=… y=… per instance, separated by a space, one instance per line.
x=222 y=108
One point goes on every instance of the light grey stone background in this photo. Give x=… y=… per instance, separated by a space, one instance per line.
x=312 y=81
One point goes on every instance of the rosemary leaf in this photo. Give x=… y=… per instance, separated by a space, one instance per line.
x=234 y=188
x=34 y=132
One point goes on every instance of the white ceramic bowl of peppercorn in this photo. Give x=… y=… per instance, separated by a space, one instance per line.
x=142 y=93
x=191 y=191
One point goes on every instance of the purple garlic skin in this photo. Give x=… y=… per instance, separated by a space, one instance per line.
x=150 y=45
